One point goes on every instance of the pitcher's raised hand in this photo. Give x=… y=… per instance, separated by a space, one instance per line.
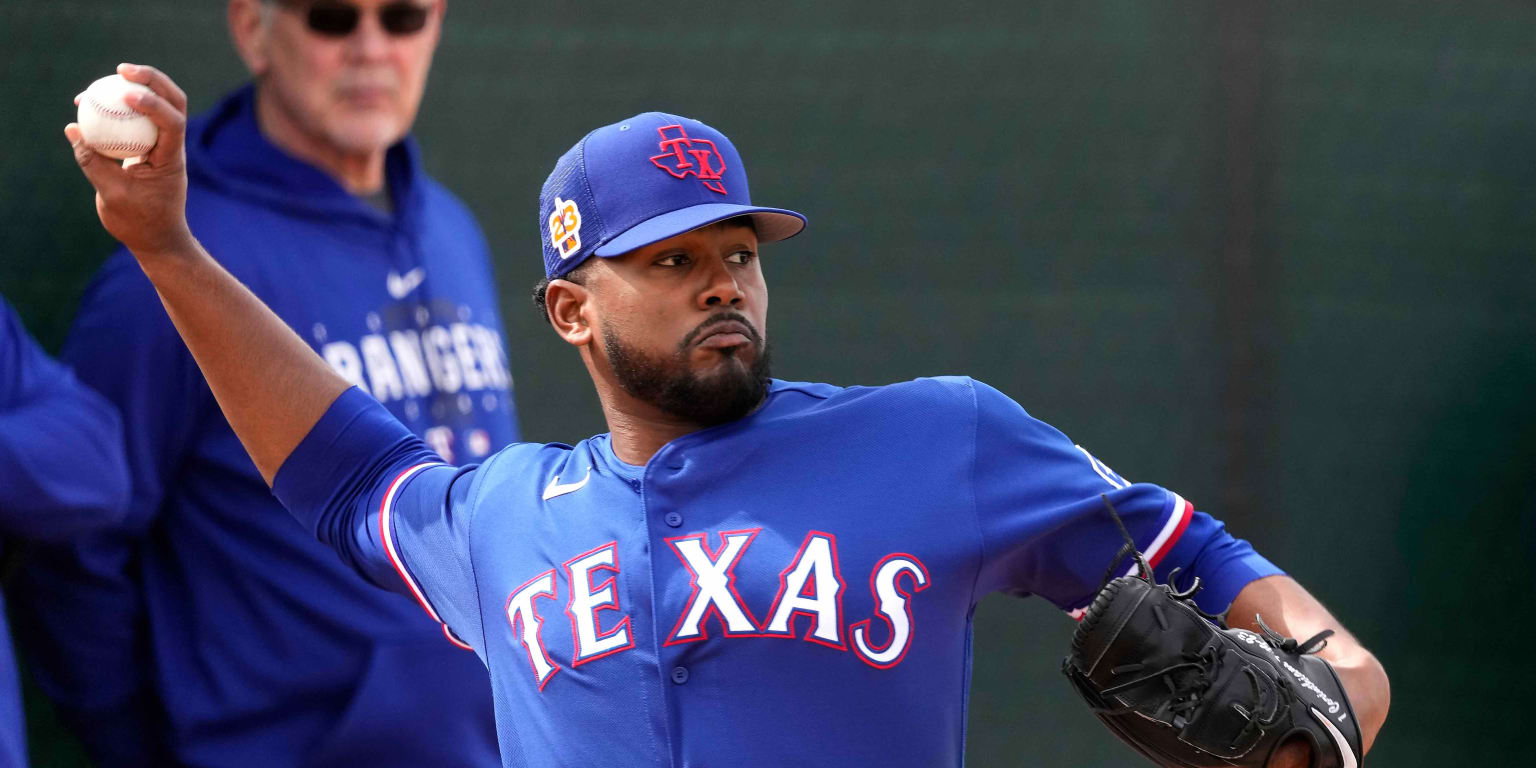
x=143 y=204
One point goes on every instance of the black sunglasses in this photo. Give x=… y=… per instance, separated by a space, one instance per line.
x=333 y=18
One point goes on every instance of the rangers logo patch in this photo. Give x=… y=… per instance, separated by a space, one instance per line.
x=565 y=228
x=683 y=156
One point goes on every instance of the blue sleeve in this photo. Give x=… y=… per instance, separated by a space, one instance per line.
x=61 y=444
x=82 y=598
x=1045 y=529
x=374 y=492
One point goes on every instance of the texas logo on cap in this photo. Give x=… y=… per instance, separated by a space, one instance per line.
x=565 y=228
x=702 y=158
x=641 y=180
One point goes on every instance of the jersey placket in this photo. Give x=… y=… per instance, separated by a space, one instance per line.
x=665 y=521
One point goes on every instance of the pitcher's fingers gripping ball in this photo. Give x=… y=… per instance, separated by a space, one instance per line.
x=109 y=126
x=142 y=203
x=1187 y=692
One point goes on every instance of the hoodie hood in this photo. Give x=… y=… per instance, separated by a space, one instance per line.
x=226 y=151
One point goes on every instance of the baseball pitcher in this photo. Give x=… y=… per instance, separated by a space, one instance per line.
x=747 y=571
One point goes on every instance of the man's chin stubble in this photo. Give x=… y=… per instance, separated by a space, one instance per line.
x=728 y=395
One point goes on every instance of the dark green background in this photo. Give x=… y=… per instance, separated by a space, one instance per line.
x=1276 y=257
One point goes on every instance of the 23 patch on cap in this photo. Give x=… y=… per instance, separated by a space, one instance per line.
x=565 y=228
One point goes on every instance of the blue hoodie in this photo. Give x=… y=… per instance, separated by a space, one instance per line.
x=210 y=629
x=61 y=472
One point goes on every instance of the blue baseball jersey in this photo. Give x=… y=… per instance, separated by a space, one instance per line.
x=792 y=588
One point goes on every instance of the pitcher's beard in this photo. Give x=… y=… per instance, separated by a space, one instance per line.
x=669 y=384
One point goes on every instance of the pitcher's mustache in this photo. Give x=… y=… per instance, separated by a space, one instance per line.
x=723 y=317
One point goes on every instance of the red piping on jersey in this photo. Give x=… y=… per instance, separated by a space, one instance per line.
x=389 y=542
x=1180 y=516
x=394 y=558
x=1185 y=513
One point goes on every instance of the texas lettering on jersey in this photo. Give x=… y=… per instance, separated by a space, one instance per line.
x=811 y=587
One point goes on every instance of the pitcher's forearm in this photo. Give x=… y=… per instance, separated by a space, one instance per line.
x=270 y=385
x=1288 y=608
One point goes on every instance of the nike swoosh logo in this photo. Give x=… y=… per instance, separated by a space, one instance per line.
x=556 y=489
x=1346 y=754
x=400 y=285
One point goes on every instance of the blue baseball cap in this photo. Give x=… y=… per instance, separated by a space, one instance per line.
x=643 y=180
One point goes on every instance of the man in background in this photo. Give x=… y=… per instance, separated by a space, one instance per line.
x=61 y=473
x=200 y=632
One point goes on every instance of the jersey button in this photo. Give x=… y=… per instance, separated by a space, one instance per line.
x=679 y=675
x=673 y=519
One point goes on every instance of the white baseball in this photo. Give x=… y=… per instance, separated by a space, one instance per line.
x=109 y=126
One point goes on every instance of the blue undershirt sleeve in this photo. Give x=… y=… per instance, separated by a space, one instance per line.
x=389 y=506
x=1041 y=506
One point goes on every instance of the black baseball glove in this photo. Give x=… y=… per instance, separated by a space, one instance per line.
x=1181 y=688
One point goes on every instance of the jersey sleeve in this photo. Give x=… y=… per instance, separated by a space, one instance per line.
x=80 y=599
x=390 y=507
x=1041 y=506
x=51 y=428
